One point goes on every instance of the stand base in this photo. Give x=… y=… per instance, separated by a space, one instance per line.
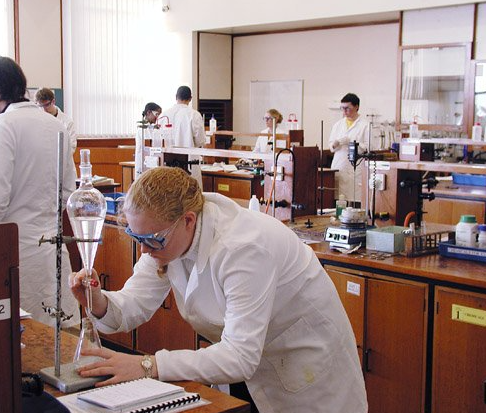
x=69 y=380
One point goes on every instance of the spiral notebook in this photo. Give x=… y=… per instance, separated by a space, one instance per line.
x=137 y=396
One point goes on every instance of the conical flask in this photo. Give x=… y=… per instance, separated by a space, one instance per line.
x=86 y=208
x=88 y=339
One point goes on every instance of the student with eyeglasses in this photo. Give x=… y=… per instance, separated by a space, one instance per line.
x=352 y=127
x=264 y=142
x=45 y=100
x=244 y=281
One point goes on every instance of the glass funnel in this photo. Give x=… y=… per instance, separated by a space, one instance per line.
x=86 y=208
x=88 y=339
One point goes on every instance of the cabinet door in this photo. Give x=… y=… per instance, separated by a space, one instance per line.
x=165 y=330
x=459 y=361
x=351 y=290
x=449 y=211
x=395 y=337
x=233 y=188
x=114 y=263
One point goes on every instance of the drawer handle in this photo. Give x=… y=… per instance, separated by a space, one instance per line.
x=367 y=355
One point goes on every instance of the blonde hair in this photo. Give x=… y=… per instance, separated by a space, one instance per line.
x=274 y=113
x=166 y=192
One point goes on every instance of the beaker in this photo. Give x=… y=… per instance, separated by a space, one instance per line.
x=88 y=339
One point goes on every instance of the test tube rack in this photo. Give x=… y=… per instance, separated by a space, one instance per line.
x=426 y=243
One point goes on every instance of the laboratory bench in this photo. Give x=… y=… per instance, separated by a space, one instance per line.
x=39 y=353
x=419 y=323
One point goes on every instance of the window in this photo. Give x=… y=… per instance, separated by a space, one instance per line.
x=7 y=28
x=116 y=57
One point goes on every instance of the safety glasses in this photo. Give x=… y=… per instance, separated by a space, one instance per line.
x=156 y=241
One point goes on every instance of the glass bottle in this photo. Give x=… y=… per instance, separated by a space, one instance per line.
x=86 y=208
x=88 y=339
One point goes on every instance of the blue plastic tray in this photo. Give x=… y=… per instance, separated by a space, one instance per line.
x=450 y=249
x=112 y=206
x=469 y=179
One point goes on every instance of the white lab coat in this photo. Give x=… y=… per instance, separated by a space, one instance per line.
x=264 y=143
x=346 y=179
x=69 y=125
x=261 y=295
x=28 y=195
x=188 y=131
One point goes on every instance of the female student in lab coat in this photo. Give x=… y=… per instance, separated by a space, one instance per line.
x=244 y=281
x=28 y=193
x=264 y=143
x=352 y=127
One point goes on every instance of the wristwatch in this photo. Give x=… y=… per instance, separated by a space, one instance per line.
x=147 y=365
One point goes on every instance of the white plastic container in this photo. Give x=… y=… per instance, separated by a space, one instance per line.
x=213 y=125
x=341 y=205
x=467 y=231
x=482 y=237
x=254 y=205
x=477 y=132
x=414 y=130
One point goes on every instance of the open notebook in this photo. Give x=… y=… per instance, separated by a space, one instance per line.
x=137 y=396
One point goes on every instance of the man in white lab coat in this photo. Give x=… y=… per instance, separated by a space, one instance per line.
x=245 y=282
x=45 y=99
x=352 y=127
x=28 y=192
x=187 y=127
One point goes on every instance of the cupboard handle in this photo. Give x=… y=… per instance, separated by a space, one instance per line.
x=367 y=355
x=104 y=281
x=167 y=304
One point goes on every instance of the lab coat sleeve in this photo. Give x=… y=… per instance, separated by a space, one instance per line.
x=338 y=137
x=72 y=136
x=69 y=170
x=141 y=296
x=7 y=159
x=198 y=131
x=248 y=280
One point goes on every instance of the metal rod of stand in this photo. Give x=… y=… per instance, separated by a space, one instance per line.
x=367 y=198
x=57 y=340
x=321 y=161
x=274 y=143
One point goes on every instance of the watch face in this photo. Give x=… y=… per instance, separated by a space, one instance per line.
x=147 y=363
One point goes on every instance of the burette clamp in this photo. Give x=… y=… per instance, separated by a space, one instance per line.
x=66 y=240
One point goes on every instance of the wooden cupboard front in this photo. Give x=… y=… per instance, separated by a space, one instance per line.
x=389 y=319
x=459 y=357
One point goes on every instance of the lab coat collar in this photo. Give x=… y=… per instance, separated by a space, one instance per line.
x=207 y=234
x=19 y=105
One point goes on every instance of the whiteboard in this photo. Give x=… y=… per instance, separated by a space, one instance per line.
x=284 y=95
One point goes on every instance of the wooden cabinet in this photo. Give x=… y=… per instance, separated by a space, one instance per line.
x=459 y=359
x=114 y=263
x=389 y=319
x=449 y=211
x=165 y=330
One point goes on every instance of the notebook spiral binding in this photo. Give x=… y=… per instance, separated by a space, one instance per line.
x=181 y=401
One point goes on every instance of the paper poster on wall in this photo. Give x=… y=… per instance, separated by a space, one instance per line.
x=284 y=95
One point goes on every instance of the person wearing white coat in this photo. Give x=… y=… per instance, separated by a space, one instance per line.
x=244 y=281
x=45 y=99
x=264 y=142
x=28 y=193
x=352 y=127
x=187 y=127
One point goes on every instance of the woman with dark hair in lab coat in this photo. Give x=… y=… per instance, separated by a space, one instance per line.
x=244 y=281
x=28 y=192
